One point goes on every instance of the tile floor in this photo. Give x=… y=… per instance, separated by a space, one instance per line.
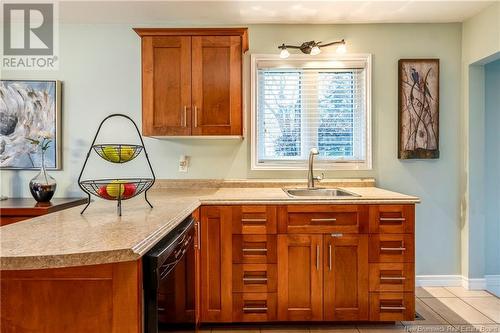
x=452 y=309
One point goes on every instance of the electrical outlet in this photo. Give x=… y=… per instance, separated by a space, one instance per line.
x=183 y=163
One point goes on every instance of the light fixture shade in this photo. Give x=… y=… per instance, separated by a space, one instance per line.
x=284 y=53
x=315 y=50
x=342 y=49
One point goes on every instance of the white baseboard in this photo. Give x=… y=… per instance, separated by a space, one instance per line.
x=455 y=281
x=438 y=280
x=493 y=284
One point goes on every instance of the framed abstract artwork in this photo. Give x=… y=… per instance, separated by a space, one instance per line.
x=29 y=108
x=418 y=136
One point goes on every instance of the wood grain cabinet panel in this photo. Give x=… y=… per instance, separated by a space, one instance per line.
x=392 y=248
x=254 y=278
x=216 y=264
x=254 y=307
x=392 y=306
x=254 y=220
x=324 y=219
x=100 y=298
x=345 y=293
x=216 y=81
x=166 y=85
x=254 y=249
x=300 y=277
x=192 y=81
x=395 y=219
x=392 y=277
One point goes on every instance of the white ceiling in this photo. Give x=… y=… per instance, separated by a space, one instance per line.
x=253 y=12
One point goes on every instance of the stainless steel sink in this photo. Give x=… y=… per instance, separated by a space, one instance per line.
x=327 y=193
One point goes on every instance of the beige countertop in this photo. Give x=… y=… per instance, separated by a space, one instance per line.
x=99 y=236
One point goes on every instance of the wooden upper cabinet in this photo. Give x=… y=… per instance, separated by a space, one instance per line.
x=192 y=81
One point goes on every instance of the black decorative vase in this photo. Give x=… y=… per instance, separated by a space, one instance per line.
x=43 y=186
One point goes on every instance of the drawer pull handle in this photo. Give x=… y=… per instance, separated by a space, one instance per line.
x=253 y=220
x=395 y=219
x=327 y=219
x=249 y=279
x=254 y=250
x=338 y=235
x=392 y=308
x=393 y=248
x=393 y=278
x=255 y=309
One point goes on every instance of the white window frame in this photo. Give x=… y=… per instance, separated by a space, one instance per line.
x=340 y=61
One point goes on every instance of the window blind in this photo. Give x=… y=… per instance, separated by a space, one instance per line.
x=321 y=106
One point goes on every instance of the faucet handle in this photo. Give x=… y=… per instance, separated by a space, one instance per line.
x=320 y=178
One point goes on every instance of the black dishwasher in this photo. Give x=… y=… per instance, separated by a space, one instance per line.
x=169 y=282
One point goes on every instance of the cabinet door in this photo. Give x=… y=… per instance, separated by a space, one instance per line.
x=300 y=272
x=166 y=85
x=216 y=264
x=216 y=85
x=346 y=277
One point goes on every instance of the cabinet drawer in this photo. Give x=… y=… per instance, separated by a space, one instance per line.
x=250 y=307
x=395 y=219
x=254 y=249
x=324 y=219
x=254 y=278
x=395 y=277
x=392 y=306
x=254 y=220
x=391 y=248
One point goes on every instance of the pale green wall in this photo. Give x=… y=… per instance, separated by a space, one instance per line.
x=480 y=45
x=492 y=148
x=100 y=68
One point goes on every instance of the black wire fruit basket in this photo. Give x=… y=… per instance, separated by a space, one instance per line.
x=117 y=189
x=118 y=153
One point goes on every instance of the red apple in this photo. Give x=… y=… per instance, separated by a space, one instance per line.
x=103 y=193
x=129 y=190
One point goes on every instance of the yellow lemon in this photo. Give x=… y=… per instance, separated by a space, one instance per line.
x=116 y=188
x=111 y=154
x=127 y=152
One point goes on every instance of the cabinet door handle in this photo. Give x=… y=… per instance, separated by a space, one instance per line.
x=195 y=116
x=199 y=235
x=253 y=220
x=317 y=257
x=392 y=308
x=254 y=250
x=255 y=279
x=393 y=248
x=329 y=257
x=394 y=219
x=326 y=219
x=337 y=235
x=255 y=309
x=393 y=278
x=184 y=117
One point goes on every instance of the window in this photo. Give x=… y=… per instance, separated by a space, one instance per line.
x=299 y=103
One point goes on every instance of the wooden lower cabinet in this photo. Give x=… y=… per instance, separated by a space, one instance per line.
x=345 y=289
x=307 y=263
x=216 y=264
x=300 y=277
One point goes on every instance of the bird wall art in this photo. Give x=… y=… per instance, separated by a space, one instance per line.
x=418 y=109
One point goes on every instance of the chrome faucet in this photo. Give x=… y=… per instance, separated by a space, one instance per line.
x=310 y=174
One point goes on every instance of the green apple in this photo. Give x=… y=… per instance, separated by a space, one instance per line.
x=126 y=153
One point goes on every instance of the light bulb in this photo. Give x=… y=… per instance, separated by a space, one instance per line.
x=341 y=49
x=315 y=50
x=284 y=53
